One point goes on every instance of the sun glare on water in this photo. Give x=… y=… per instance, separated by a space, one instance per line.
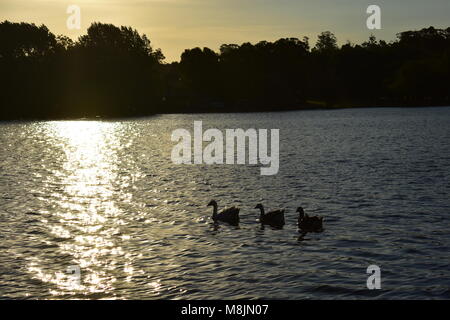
x=88 y=218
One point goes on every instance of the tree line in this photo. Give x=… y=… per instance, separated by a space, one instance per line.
x=115 y=72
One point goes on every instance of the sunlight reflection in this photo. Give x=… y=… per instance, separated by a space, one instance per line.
x=87 y=217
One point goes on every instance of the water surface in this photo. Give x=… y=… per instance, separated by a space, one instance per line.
x=105 y=196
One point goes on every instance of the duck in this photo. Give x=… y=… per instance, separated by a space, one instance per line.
x=228 y=215
x=307 y=223
x=274 y=219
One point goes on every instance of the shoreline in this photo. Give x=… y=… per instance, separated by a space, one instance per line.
x=199 y=111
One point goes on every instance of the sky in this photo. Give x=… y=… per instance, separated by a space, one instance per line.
x=175 y=25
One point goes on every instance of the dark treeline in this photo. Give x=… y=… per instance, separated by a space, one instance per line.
x=114 y=72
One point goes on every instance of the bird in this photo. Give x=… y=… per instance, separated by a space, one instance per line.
x=229 y=215
x=307 y=223
x=274 y=219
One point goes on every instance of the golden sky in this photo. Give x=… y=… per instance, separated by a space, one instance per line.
x=174 y=25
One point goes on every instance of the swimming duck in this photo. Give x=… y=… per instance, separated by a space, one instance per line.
x=307 y=223
x=274 y=219
x=229 y=215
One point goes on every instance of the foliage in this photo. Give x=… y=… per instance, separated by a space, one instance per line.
x=115 y=72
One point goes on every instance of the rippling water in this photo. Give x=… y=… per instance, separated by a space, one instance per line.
x=104 y=196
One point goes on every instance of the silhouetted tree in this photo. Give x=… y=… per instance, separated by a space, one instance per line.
x=326 y=41
x=114 y=71
x=200 y=73
x=28 y=57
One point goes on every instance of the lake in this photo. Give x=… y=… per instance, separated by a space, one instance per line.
x=104 y=199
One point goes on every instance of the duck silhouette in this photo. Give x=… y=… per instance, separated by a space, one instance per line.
x=228 y=215
x=274 y=219
x=307 y=223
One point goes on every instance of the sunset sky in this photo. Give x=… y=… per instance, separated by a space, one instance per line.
x=174 y=25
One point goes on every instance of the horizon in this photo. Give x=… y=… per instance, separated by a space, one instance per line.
x=176 y=25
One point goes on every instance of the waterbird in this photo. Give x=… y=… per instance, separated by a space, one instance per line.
x=228 y=215
x=274 y=219
x=307 y=223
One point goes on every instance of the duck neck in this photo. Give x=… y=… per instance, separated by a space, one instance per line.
x=262 y=211
x=214 y=211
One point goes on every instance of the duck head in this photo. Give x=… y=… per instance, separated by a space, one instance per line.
x=260 y=207
x=212 y=203
x=301 y=212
